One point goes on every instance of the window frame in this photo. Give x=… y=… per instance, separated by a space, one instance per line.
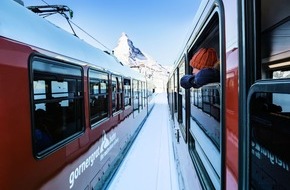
x=105 y=76
x=35 y=72
x=215 y=168
x=261 y=86
x=135 y=90
x=257 y=65
x=117 y=95
x=129 y=94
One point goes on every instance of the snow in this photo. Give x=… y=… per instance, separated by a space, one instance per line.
x=149 y=163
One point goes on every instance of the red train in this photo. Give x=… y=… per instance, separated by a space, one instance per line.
x=235 y=134
x=68 y=111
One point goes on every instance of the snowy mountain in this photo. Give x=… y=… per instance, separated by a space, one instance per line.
x=127 y=53
x=132 y=56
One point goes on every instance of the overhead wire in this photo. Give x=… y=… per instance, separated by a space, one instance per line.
x=65 y=16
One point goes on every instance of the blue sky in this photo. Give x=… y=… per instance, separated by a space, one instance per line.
x=157 y=27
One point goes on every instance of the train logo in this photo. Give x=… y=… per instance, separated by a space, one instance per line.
x=107 y=144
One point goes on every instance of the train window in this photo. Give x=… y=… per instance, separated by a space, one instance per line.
x=270 y=140
x=176 y=81
x=205 y=126
x=275 y=48
x=211 y=100
x=98 y=87
x=268 y=136
x=127 y=92
x=196 y=94
x=281 y=74
x=181 y=98
x=142 y=94
x=206 y=99
x=146 y=93
x=207 y=111
x=171 y=95
x=117 y=93
x=57 y=102
x=135 y=95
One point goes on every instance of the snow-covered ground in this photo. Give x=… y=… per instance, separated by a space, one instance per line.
x=149 y=164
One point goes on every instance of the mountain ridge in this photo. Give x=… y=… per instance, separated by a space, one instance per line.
x=132 y=56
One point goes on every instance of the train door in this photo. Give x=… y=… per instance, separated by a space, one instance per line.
x=265 y=141
x=206 y=130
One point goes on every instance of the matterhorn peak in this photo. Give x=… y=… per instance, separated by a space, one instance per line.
x=124 y=35
x=126 y=52
x=123 y=39
x=132 y=56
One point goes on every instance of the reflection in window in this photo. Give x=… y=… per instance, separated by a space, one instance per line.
x=141 y=94
x=206 y=110
x=98 y=96
x=135 y=95
x=127 y=92
x=57 y=103
x=211 y=102
x=270 y=140
x=281 y=74
x=197 y=93
x=39 y=89
x=117 y=93
x=181 y=98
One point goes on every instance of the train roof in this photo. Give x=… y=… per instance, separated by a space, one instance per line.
x=20 y=24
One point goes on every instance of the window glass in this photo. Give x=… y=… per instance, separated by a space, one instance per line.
x=205 y=128
x=117 y=93
x=135 y=95
x=144 y=96
x=98 y=96
x=181 y=97
x=281 y=74
x=176 y=81
x=127 y=92
x=140 y=95
x=39 y=89
x=205 y=100
x=96 y=87
x=53 y=68
x=57 y=102
x=270 y=141
x=104 y=86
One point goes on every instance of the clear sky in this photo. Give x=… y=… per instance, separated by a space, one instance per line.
x=157 y=27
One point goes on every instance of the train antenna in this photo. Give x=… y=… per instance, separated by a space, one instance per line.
x=47 y=10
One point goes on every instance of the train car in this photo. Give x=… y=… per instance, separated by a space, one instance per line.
x=68 y=111
x=234 y=133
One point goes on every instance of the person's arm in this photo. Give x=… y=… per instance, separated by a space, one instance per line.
x=187 y=81
x=206 y=76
